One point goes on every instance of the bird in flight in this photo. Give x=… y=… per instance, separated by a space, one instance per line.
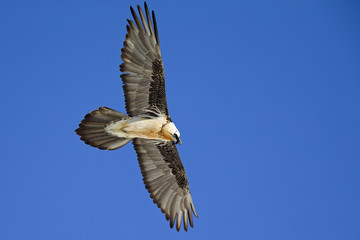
x=148 y=124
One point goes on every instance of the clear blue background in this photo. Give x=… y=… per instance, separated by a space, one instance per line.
x=266 y=95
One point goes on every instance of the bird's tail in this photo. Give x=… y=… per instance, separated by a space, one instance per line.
x=92 y=129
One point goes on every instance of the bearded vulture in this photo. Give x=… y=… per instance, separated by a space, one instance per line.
x=147 y=122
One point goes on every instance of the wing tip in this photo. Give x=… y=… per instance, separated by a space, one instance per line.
x=193 y=209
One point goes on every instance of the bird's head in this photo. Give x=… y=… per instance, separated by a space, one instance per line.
x=172 y=132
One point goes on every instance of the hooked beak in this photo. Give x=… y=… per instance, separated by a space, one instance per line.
x=178 y=141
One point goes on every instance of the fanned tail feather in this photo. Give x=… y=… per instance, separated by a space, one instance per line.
x=92 y=129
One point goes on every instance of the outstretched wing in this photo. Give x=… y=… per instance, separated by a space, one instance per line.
x=144 y=79
x=165 y=178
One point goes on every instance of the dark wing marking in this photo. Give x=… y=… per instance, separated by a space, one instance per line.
x=165 y=178
x=143 y=78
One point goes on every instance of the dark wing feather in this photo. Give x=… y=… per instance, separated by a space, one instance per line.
x=165 y=178
x=143 y=78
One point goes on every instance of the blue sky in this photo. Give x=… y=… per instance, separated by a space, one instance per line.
x=265 y=95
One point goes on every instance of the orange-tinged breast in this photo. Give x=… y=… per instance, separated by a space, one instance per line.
x=166 y=135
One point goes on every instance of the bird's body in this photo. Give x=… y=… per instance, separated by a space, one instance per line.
x=158 y=128
x=148 y=123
